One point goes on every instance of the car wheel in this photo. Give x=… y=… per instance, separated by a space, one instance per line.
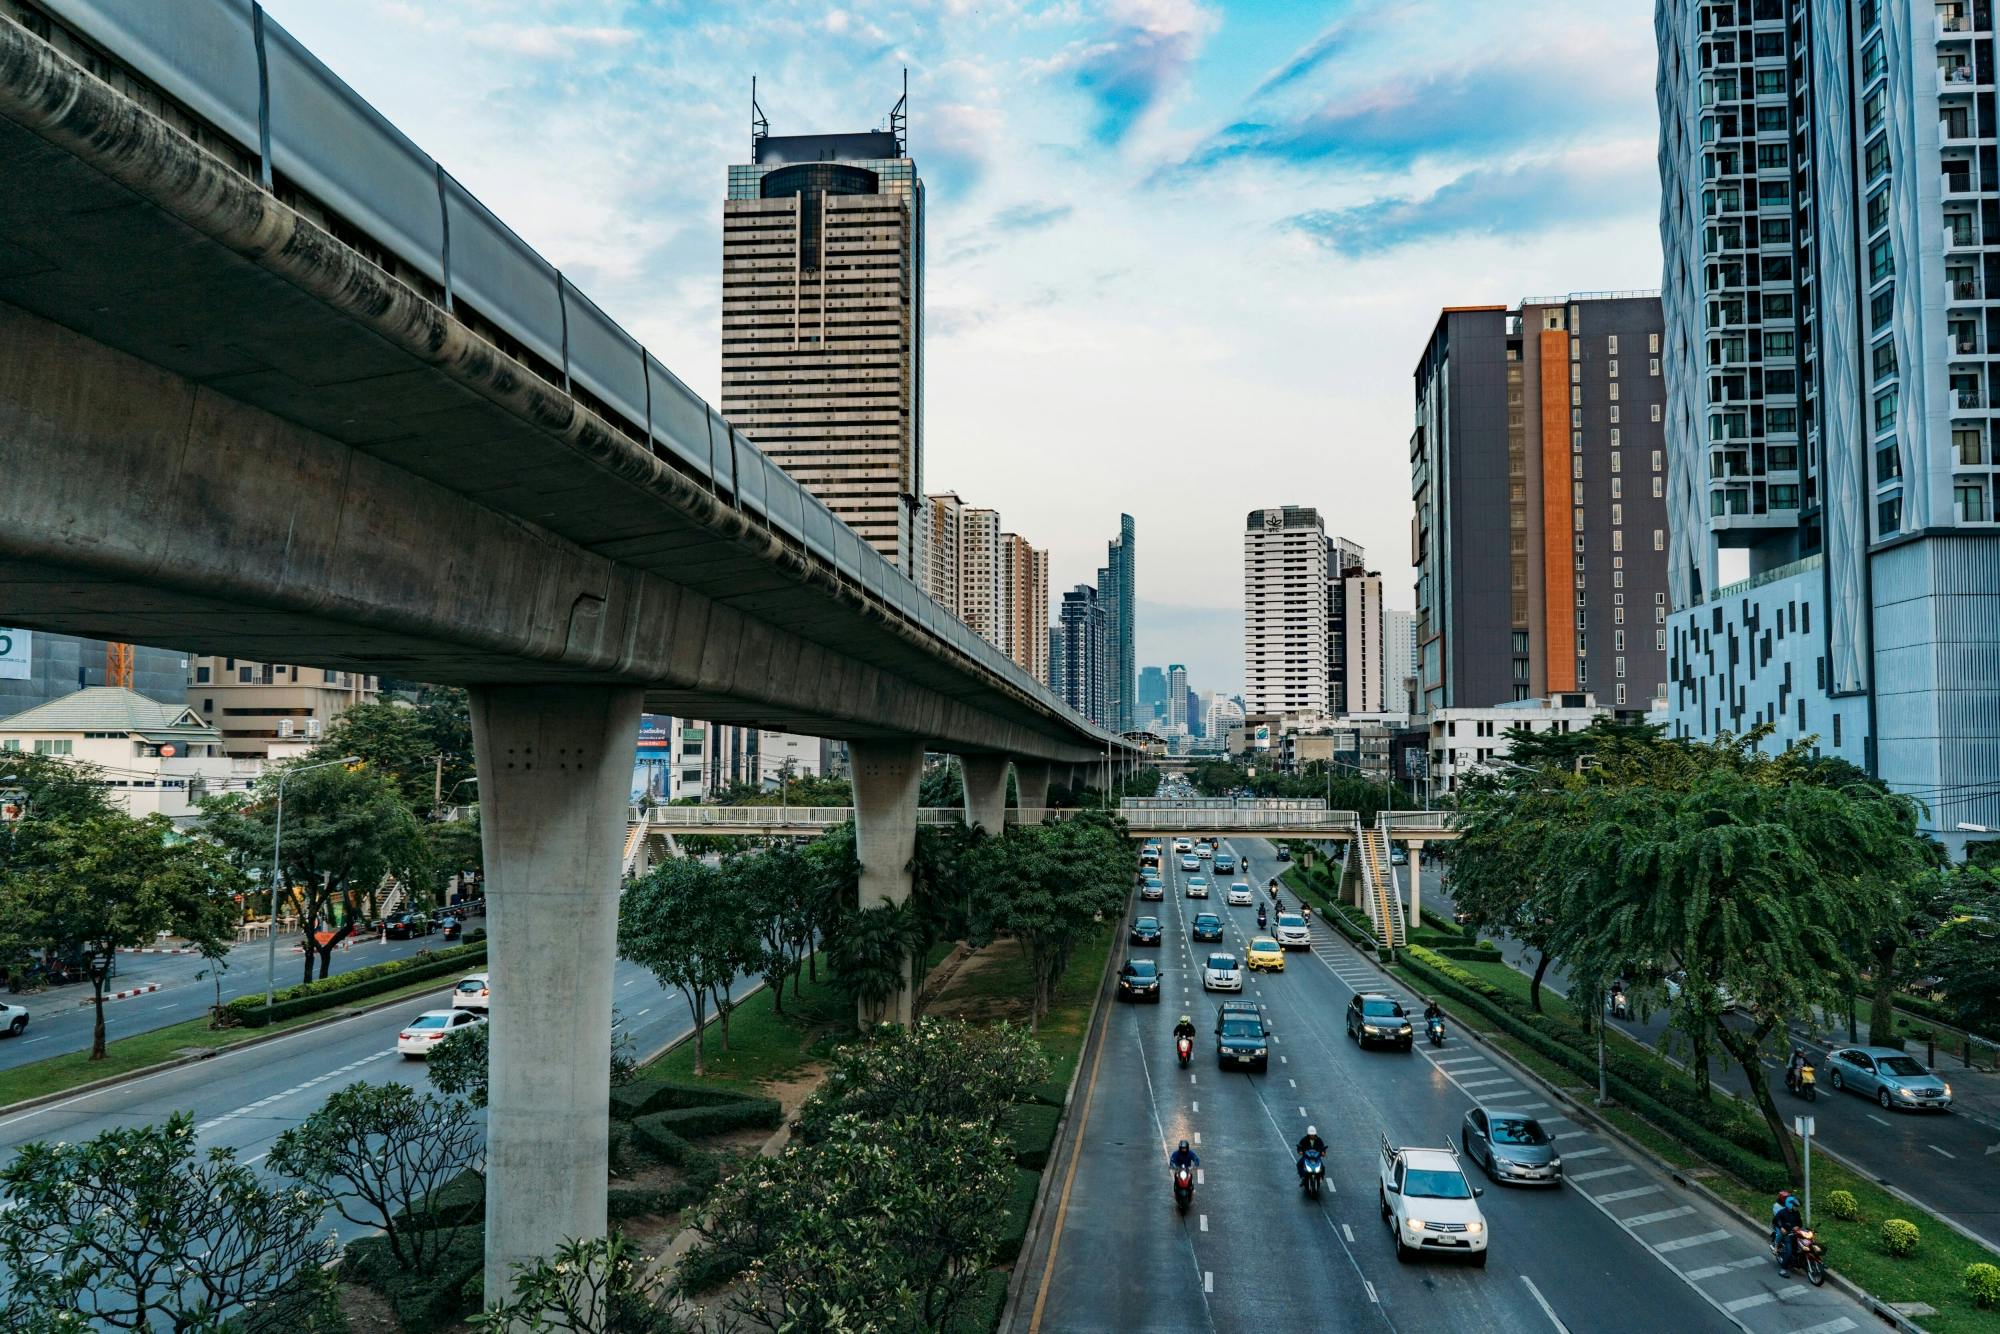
x=410 y=1056
x=1403 y=1253
x=1383 y=1196
x=1837 y=1085
x=19 y=1026
x=1882 y=1098
x=1479 y=1259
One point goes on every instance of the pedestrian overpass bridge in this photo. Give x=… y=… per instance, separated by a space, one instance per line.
x=1149 y=822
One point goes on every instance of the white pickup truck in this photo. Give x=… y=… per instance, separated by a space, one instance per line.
x=1429 y=1205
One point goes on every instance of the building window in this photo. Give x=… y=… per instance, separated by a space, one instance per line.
x=53 y=747
x=1659 y=488
x=1656 y=412
x=1621 y=692
x=1969 y=445
x=201 y=676
x=1616 y=457
x=1618 y=578
x=1614 y=412
x=1614 y=368
x=1618 y=539
x=1881 y=260
x=246 y=675
x=1878 y=210
x=1652 y=342
x=1881 y=308
x=1888 y=464
x=1659 y=539
x=1617 y=490
x=1656 y=460
x=1888 y=516
x=1611 y=347
x=1971 y=502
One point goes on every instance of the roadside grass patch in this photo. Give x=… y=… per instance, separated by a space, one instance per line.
x=764 y=1045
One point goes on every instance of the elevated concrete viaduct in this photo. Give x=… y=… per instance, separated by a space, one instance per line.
x=274 y=385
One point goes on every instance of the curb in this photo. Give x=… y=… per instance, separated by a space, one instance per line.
x=121 y=995
x=98 y=1085
x=1010 y=1310
x=1588 y=1114
x=163 y=950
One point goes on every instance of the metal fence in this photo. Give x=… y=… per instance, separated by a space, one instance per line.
x=237 y=69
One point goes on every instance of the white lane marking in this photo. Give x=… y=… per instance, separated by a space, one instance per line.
x=1600 y=1172
x=1662 y=1216
x=252 y=1162
x=1197 y=1104
x=1483 y=1084
x=1699 y=1239
x=633 y=983
x=1716 y=1271
x=1459 y=1060
x=248 y=1108
x=1371 y=1292
x=1876 y=1119
x=1196 y=1136
x=1192 y=1079
x=1208 y=1280
x=1837 y=1325
x=1284 y=1060
x=1204 y=1222
x=1200 y=1177
x=644 y=1013
x=1761 y=1299
x=1347 y=1232
x=1935 y=1149
x=1543 y=1302
x=1293 y=1082
x=1631 y=1194
x=1591 y=1152
x=1536 y=1107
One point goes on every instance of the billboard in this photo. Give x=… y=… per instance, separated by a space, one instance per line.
x=1260 y=739
x=16 y=656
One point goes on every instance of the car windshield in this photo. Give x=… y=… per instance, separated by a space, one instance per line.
x=1242 y=1028
x=1904 y=1066
x=1148 y=924
x=1436 y=1185
x=1139 y=968
x=1382 y=1007
x=1517 y=1130
x=429 y=1021
x=1290 y=919
x=1208 y=919
x=1263 y=943
x=1227 y=962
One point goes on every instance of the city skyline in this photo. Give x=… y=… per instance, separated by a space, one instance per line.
x=1311 y=156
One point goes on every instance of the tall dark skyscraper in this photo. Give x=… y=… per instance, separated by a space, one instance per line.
x=1078 y=653
x=1152 y=695
x=1117 y=585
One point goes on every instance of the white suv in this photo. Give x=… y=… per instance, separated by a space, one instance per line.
x=1292 y=932
x=1429 y=1205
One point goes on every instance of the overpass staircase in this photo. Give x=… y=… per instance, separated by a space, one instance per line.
x=1378 y=881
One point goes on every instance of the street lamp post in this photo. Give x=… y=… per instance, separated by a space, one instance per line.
x=277 y=839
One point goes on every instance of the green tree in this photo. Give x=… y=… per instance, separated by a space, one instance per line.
x=771 y=889
x=1963 y=948
x=83 y=889
x=940 y=903
x=453 y=847
x=936 y=1072
x=831 y=891
x=1529 y=750
x=870 y=954
x=1049 y=887
x=942 y=785
x=379 y=1152
x=346 y=832
x=596 y=1285
x=136 y=1229
x=1737 y=868
x=678 y=922
x=1512 y=839
x=458 y=1068
x=426 y=748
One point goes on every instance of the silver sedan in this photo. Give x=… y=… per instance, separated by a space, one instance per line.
x=1511 y=1146
x=1888 y=1075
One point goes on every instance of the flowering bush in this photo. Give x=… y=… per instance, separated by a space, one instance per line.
x=1899 y=1236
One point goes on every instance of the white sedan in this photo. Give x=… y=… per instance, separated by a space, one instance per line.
x=1239 y=895
x=431 y=1027
x=1222 y=974
x=13 y=1019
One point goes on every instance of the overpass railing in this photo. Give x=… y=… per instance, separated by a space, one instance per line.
x=1174 y=818
x=1409 y=822
x=252 y=84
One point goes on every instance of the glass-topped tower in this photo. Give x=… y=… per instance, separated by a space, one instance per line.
x=822 y=321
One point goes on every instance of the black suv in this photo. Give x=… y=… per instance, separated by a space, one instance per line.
x=1241 y=1036
x=1373 y=1017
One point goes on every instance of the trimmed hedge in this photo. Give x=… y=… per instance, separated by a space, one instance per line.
x=432 y=1300
x=701 y=1122
x=1031 y=1128
x=1939 y=1014
x=642 y=1097
x=1470 y=953
x=1020 y=1207
x=1723 y=1132
x=326 y=993
x=459 y=1202
x=621 y=1202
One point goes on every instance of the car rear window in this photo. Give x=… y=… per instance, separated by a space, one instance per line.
x=429 y=1021
x=472 y=984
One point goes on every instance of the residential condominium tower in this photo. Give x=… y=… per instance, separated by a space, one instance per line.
x=1284 y=613
x=822 y=321
x=1118 y=587
x=1356 y=651
x=1083 y=655
x=1830 y=215
x=1024 y=595
x=1539 y=471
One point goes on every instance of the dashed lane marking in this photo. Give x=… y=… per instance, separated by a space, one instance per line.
x=1699 y=1239
x=1459 y=1060
x=1208 y=1280
x=1717 y=1271
x=1371 y=1292
x=1196 y=1106
x=1600 y=1172
x=1837 y=1325
x=1763 y=1298
x=1632 y=1194
x=1204 y=1222
x=1641 y=1220
x=1484 y=1083
x=1196 y=1136
x=1200 y=1176
x=1591 y=1152
x=316 y=1080
x=1876 y=1119
x=1935 y=1149
x=1348 y=1232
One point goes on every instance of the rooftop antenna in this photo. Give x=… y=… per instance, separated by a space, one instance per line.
x=760 y=128
x=899 y=118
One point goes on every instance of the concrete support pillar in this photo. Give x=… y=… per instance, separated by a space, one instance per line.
x=985 y=792
x=1416 y=885
x=555 y=765
x=1031 y=778
x=887 y=775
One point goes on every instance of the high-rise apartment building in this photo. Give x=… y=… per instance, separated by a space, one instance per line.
x=939 y=547
x=1084 y=654
x=1538 y=466
x=262 y=706
x=1284 y=613
x=822 y=321
x=1177 y=697
x=1399 y=658
x=1024 y=596
x=1830 y=216
x=979 y=604
x=1117 y=586
x=1356 y=646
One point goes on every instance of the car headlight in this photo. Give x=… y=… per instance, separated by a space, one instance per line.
x=1475 y=1227
x=1261 y=1051
x=1904 y=1093
x=1947 y=1090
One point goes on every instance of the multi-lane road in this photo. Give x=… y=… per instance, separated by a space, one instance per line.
x=1619 y=1246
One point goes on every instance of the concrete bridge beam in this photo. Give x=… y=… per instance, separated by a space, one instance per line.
x=985 y=792
x=887 y=775
x=554 y=765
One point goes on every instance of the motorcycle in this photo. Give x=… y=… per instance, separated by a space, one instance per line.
x=1805 y=1084
x=1436 y=1027
x=1262 y=921
x=1184 y=1048
x=1311 y=1170
x=1621 y=1008
x=1808 y=1251
x=1183 y=1187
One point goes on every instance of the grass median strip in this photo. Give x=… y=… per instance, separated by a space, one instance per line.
x=125 y=1055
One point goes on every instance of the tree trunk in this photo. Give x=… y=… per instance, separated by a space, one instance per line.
x=1744 y=1048
x=722 y=1009
x=97 y=1026
x=305 y=953
x=1535 y=982
x=696 y=1008
x=1882 y=1000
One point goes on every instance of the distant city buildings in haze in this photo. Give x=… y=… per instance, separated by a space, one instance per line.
x=1355 y=645
x=1831 y=224
x=822 y=321
x=1399 y=658
x=1152 y=695
x=1539 y=475
x=1177 y=697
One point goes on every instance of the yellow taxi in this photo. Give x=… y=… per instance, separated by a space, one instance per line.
x=1265 y=953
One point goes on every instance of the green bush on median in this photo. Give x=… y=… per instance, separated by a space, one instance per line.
x=326 y=993
x=1982 y=1281
x=1900 y=1236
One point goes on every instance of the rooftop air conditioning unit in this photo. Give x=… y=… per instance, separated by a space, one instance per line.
x=284 y=727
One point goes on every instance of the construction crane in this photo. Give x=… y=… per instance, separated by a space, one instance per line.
x=118 y=664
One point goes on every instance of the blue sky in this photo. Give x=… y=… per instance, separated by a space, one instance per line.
x=1182 y=256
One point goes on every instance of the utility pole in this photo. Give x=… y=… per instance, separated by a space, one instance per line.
x=437 y=783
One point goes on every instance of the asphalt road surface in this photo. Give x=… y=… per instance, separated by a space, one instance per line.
x=1618 y=1247
x=1942 y=1159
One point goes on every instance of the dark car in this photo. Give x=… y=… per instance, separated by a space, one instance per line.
x=1241 y=1036
x=1207 y=926
x=1283 y=854
x=1151 y=890
x=1511 y=1146
x=1146 y=931
x=1139 y=980
x=1373 y=1017
x=407 y=926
